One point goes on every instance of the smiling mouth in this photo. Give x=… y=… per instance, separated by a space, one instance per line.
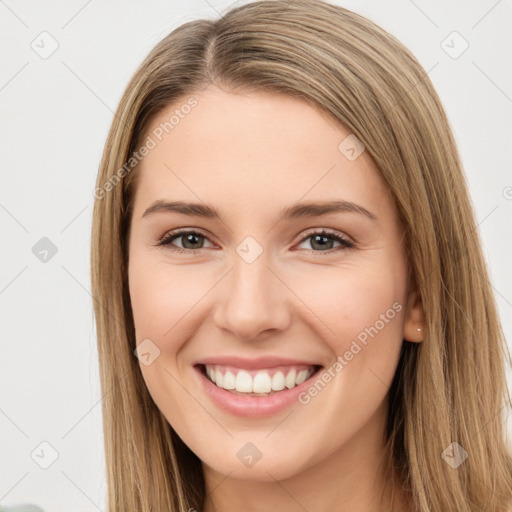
x=262 y=382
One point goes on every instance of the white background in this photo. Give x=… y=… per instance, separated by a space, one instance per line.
x=55 y=116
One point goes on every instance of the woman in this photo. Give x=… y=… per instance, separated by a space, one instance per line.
x=240 y=366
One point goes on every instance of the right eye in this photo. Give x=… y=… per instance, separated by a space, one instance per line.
x=189 y=238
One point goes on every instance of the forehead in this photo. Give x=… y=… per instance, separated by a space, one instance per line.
x=250 y=149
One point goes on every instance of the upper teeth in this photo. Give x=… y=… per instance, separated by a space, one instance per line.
x=261 y=381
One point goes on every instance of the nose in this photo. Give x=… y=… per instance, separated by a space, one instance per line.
x=252 y=300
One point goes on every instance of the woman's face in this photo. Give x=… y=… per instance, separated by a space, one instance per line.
x=257 y=298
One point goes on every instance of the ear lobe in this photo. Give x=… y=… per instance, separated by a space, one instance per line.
x=414 y=321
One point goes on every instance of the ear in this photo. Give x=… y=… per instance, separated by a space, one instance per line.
x=414 y=318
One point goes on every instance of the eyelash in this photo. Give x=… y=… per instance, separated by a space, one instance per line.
x=169 y=237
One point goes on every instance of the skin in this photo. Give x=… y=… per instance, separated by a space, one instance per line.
x=249 y=155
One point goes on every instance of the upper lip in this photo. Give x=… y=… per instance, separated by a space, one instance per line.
x=258 y=363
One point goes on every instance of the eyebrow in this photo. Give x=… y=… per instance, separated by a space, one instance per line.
x=309 y=209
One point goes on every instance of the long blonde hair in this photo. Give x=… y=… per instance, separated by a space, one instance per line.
x=449 y=388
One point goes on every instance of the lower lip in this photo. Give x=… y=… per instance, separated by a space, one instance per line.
x=252 y=406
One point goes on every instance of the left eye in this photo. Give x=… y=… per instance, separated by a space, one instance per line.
x=320 y=239
x=191 y=240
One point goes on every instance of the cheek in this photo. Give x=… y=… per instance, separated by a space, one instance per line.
x=161 y=297
x=360 y=313
x=346 y=302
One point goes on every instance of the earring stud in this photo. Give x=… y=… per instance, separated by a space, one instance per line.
x=418 y=329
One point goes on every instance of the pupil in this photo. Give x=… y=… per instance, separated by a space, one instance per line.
x=318 y=238
x=190 y=237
